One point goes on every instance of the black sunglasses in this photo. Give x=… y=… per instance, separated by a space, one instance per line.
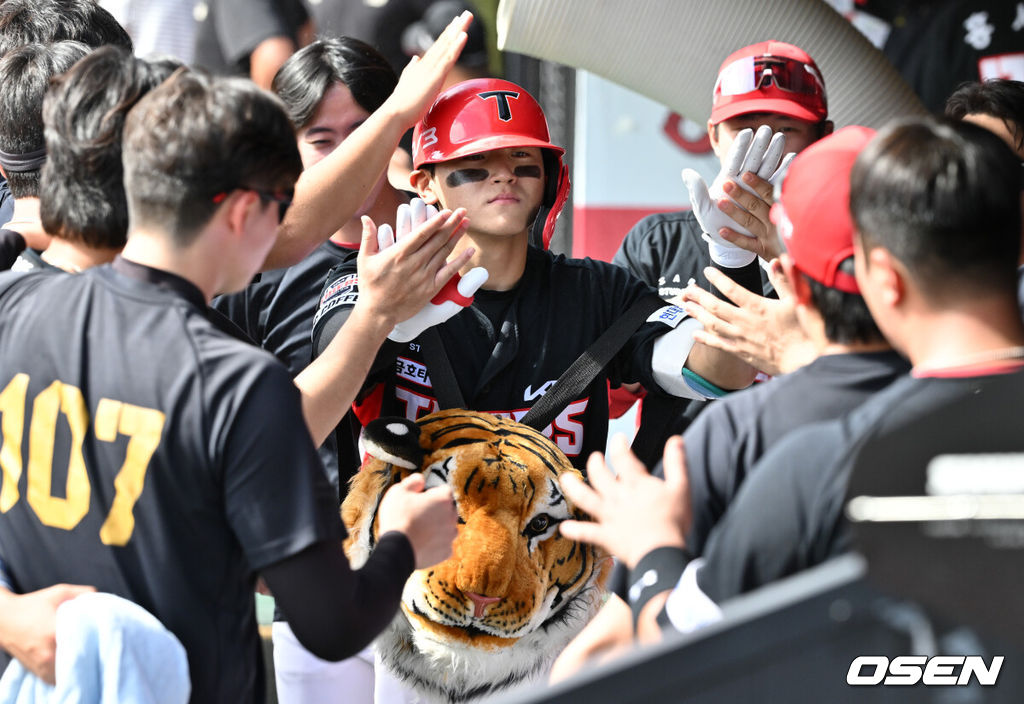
x=282 y=198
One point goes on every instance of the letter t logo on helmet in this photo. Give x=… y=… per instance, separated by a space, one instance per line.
x=501 y=96
x=487 y=114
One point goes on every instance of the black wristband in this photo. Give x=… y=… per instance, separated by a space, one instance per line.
x=656 y=572
x=749 y=277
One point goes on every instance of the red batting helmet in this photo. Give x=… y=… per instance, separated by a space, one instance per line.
x=486 y=114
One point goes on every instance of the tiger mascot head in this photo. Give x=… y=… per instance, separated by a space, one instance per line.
x=514 y=592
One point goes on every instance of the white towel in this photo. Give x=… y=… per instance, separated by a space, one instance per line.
x=109 y=650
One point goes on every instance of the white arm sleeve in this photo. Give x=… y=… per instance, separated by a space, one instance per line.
x=688 y=608
x=668 y=357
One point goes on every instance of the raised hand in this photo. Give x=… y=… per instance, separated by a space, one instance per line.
x=398 y=276
x=763 y=332
x=428 y=518
x=422 y=78
x=724 y=209
x=456 y=294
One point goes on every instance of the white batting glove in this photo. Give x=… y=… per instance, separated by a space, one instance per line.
x=456 y=295
x=453 y=297
x=758 y=152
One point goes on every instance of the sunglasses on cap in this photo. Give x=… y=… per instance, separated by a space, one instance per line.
x=752 y=73
x=282 y=198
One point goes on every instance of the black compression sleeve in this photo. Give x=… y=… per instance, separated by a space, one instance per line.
x=749 y=277
x=334 y=611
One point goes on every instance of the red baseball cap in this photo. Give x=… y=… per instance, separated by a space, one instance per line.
x=773 y=77
x=813 y=211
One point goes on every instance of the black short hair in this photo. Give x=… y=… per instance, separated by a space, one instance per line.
x=81 y=191
x=25 y=74
x=999 y=97
x=307 y=75
x=197 y=136
x=943 y=197
x=846 y=315
x=45 y=21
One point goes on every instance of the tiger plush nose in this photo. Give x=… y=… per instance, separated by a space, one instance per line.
x=480 y=602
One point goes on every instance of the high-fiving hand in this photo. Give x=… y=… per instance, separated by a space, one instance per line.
x=754 y=163
x=456 y=294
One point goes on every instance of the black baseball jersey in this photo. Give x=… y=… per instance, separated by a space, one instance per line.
x=509 y=347
x=726 y=440
x=153 y=455
x=666 y=251
x=11 y=245
x=788 y=515
x=277 y=311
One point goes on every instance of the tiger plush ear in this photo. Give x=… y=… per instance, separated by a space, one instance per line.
x=391 y=448
x=395 y=441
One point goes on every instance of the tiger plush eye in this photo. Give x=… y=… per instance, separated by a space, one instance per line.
x=538 y=525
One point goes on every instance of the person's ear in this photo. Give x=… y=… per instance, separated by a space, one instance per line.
x=827 y=127
x=713 y=136
x=240 y=206
x=798 y=283
x=423 y=182
x=887 y=276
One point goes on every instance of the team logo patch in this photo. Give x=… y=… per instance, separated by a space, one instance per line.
x=343 y=292
x=669 y=315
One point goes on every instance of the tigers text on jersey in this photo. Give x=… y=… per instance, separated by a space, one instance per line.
x=151 y=454
x=509 y=346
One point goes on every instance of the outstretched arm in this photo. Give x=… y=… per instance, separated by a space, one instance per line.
x=394 y=284
x=761 y=331
x=328 y=193
x=638 y=518
x=334 y=611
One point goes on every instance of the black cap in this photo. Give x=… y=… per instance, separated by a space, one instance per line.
x=418 y=36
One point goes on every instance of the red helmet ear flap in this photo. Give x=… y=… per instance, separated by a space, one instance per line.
x=556 y=193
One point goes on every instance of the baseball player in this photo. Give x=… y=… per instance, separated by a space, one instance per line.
x=484 y=146
x=769 y=83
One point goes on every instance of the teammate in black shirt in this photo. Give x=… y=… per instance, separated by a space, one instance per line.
x=769 y=83
x=169 y=462
x=937 y=213
x=329 y=88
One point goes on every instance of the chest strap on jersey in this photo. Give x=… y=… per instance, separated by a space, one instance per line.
x=570 y=384
x=588 y=365
x=442 y=377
